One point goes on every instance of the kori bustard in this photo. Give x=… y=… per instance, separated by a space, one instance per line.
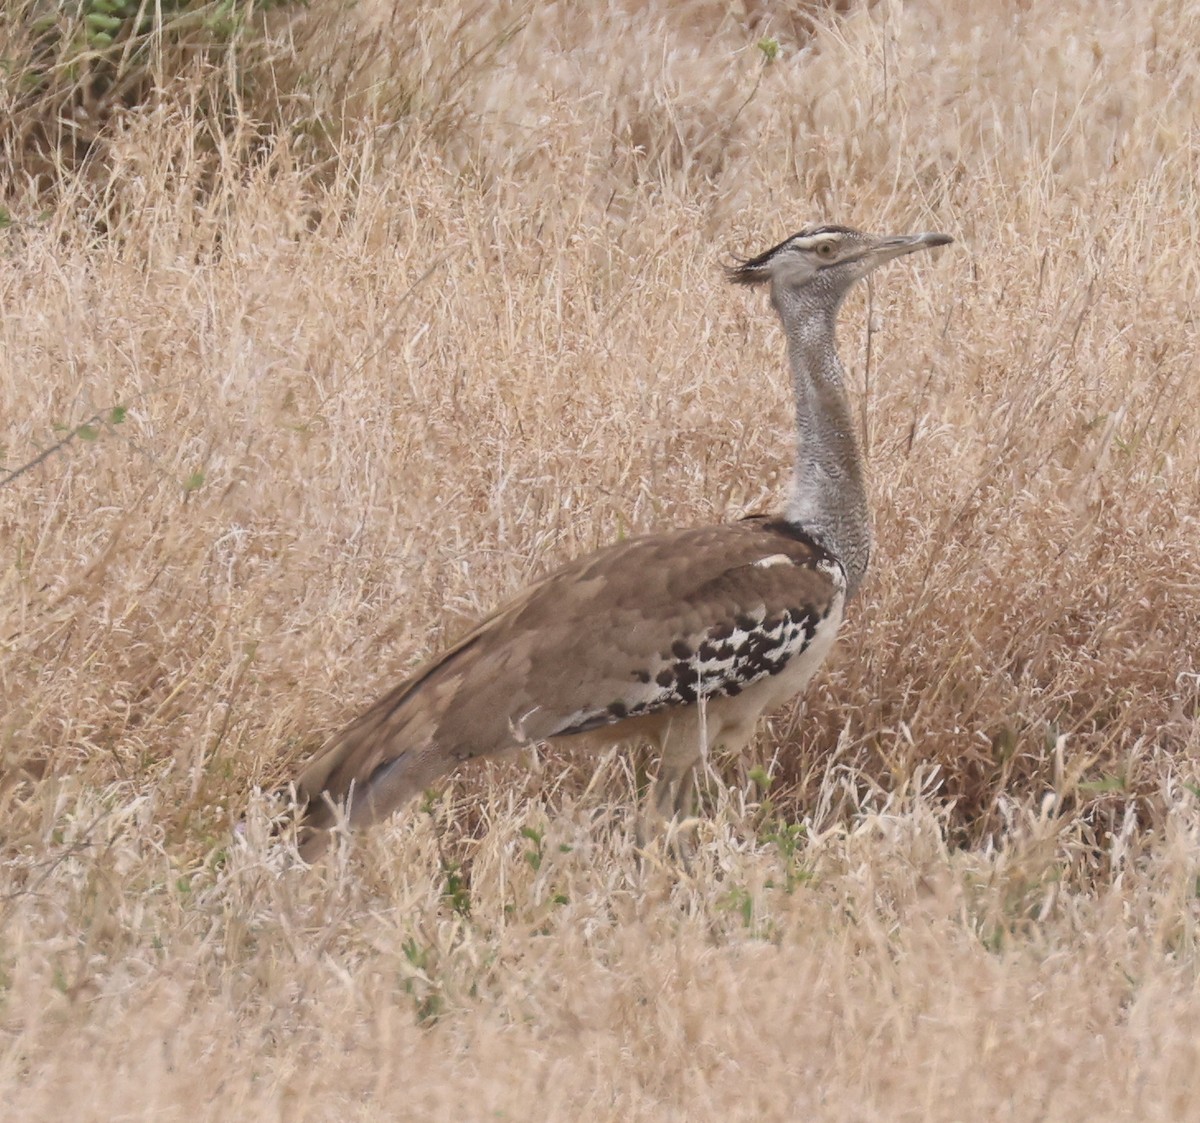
x=681 y=639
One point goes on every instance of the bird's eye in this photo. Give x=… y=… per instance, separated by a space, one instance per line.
x=825 y=249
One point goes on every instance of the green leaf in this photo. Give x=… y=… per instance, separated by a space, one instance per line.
x=87 y=432
x=98 y=21
x=769 y=47
x=194 y=482
x=456 y=893
x=118 y=414
x=758 y=775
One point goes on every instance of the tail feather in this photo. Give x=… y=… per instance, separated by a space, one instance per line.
x=366 y=773
x=360 y=800
x=383 y=759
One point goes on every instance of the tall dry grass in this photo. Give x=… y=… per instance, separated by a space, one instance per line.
x=451 y=313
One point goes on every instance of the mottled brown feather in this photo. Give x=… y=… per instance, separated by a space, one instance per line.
x=587 y=638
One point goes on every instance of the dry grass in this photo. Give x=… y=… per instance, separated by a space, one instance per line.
x=365 y=398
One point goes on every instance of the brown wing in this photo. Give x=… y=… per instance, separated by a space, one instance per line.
x=647 y=625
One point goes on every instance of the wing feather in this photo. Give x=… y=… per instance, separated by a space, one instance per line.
x=651 y=623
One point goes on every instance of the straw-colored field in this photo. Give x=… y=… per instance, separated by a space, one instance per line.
x=366 y=388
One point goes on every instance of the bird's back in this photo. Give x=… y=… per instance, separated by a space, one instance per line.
x=612 y=641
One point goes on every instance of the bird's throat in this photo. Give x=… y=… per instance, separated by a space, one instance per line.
x=829 y=497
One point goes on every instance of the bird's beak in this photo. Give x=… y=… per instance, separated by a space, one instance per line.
x=897 y=245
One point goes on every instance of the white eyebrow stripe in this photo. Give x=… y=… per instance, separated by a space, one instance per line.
x=811 y=241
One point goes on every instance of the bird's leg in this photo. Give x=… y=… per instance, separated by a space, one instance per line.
x=671 y=797
x=685 y=793
x=671 y=789
x=669 y=804
x=682 y=832
x=660 y=807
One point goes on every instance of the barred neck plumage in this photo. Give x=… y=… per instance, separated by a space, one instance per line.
x=810 y=274
x=829 y=497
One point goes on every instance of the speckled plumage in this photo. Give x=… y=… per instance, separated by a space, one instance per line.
x=611 y=639
x=683 y=638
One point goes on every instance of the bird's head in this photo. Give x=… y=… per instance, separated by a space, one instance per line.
x=828 y=259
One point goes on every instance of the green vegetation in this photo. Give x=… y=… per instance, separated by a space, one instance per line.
x=71 y=68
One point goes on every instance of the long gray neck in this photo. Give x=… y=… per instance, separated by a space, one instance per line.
x=829 y=499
